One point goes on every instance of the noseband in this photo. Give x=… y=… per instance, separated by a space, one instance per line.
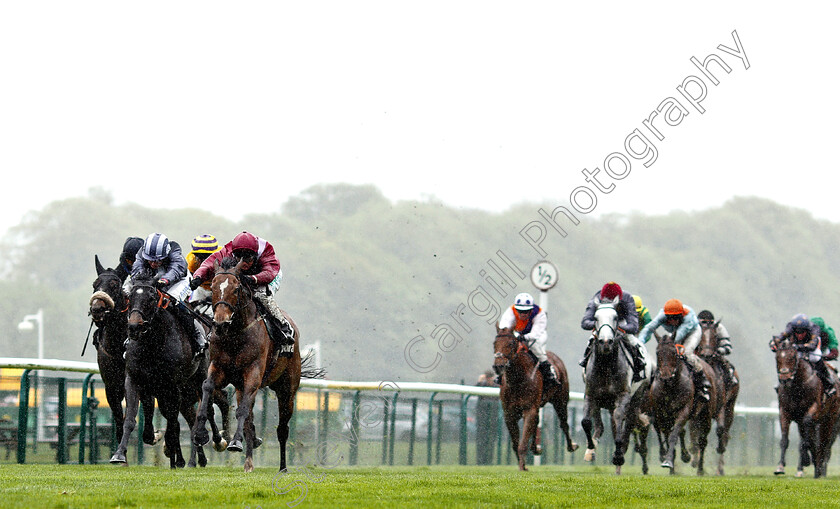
x=510 y=337
x=122 y=299
x=785 y=372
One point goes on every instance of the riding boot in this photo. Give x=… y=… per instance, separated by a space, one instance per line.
x=586 y=355
x=825 y=378
x=277 y=314
x=547 y=370
x=702 y=383
x=196 y=334
x=638 y=359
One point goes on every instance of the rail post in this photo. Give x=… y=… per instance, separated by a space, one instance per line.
x=393 y=428
x=23 y=416
x=462 y=442
x=430 y=429
x=83 y=418
x=62 y=422
x=354 y=429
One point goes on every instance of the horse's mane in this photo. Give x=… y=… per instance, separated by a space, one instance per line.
x=228 y=262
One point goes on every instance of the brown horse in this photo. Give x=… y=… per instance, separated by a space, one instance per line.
x=801 y=400
x=522 y=393
x=707 y=350
x=243 y=354
x=673 y=404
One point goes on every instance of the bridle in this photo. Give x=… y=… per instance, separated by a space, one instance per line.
x=238 y=293
x=522 y=346
x=163 y=302
x=613 y=329
x=102 y=278
x=680 y=350
x=786 y=374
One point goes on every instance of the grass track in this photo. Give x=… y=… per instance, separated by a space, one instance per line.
x=74 y=486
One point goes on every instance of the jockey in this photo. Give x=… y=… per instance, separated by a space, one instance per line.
x=130 y=249
x=805 y=334
x=628 y=323
x=642 y=311
x=724 y=345
x=828 y=340
x=161 y=260
x=529 y=323
x=261 y=267
x=202 y=247
x=681 y=321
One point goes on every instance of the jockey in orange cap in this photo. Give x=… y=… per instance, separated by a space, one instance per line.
x=681 y=321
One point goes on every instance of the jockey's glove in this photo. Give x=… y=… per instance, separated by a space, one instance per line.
x=252 y=279
x=162 y=283
x=195 y=283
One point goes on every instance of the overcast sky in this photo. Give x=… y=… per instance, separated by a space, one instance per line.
x=480 y=104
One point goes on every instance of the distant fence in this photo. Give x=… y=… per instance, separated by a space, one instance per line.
x=364 y=423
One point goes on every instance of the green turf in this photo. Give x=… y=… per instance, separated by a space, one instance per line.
x=75 y=486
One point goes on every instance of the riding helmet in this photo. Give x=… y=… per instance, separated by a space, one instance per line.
x=675 y=307
x=706 y=315
x=205 y=244
x=523 y=302
x=610 y=291
x=245 y=242
x=156 y=247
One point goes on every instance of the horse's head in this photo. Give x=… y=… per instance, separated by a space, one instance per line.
x=107 y=294
x=787 y=360
x=143 y=302
x=606 y=326
x=668 y=357
x=708 y=338
x=230 y=293
x=505 y=348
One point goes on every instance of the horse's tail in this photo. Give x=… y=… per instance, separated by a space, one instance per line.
x=307 y=370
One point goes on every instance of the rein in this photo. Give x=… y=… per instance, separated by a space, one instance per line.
x=164 y=299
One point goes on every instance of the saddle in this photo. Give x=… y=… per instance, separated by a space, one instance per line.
x=280 y=333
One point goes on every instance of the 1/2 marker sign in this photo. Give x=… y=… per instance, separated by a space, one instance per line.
x=544 y=275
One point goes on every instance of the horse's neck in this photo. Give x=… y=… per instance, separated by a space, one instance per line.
x=523 y=366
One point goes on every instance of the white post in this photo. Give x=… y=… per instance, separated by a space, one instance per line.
x=26 y=324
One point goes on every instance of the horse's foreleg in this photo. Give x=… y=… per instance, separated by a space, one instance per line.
x=169 y=408
x=807 y=431
x=246 y=398
x=132 y=403
x=561 y=410
x=621 y=431
x=674 y=435
x=215 y=378
x=188 y=411
x=512 y=423
x=642 y=447
x=587 y=424
x=530 y=419
x=220 y=438
x=784 y=424
x=115 y=393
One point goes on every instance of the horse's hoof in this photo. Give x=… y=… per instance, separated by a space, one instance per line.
x=191 y=464
x=644 y=469
x=202 y=462
x=166 y=450
x=249 y=466
x=667 y=464
x=573 y=447
x=589 y=455
x=257 y=442
x=800 y=473
x=618 y=470
x=779 y=471
x=235 y=446
x=119 y=459
x=180 y=463
x=220 y=445
x=537 y=450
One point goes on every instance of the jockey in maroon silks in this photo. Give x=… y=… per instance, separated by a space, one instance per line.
x=260 y=266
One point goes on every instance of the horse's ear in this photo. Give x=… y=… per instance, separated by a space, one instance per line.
x=99 y=268
x=718 y=322
x=616 y=300
x=216 y=265
x=497 y=328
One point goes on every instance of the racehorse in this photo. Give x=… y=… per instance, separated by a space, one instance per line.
x=801 y=400
x=160 y=364
x=608 y=379
x=108 y=310
x=673 y=404
x=242 y=353
x=522 y=392
x=707 y=350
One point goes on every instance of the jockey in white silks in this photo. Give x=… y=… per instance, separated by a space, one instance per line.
x=528 y=322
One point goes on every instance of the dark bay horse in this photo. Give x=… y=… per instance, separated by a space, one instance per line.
x=522 y=393
x=673 y=404
x=109 y=311
x=801 y=400
x=707 y=350
x=608 y=378
x=160 y=364
x=243 y=354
